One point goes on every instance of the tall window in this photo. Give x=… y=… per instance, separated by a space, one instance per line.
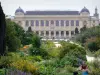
x=52 y=22
x=52 y=33
x=72 y=32
x=77 y=23
x=67 y=32
x=42 y=22
x=62 y=22
x=62 y=33
x=32 y=23
x=67 y=23
x=37 y=23
x=47 y=33
x=72 y=22
x=27 y=23
x=57 y=33
x=47 y=23
x=57 y=23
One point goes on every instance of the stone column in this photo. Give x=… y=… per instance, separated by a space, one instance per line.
x=50 y=34
x=64 y=34
x=69 y=34
x=60 y=34
x=44 y=34
x=54 y=34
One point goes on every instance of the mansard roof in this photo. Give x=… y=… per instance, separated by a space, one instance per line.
x=52 y=13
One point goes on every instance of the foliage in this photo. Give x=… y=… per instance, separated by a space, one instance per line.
x=29 y=29
x=97 y=53
x=83 y=28
x=73 y=49
x=94 y=68
x=24 y=65
x=69 y=60
x=92 y=44
x=19 y=32
x=76 y=31
x=2 y=71
x=12 y=41
x=5 y=61
x=70 y=69
x=27 y=38
x=55 y=67
x=36 y=41
x=98 y=42
x=90 y=32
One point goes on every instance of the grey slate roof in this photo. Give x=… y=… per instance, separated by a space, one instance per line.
x=52 y=13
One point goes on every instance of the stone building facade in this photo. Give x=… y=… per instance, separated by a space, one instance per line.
x=56 y=24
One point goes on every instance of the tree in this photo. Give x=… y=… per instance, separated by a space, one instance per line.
x=36 y=41
x=83 y=28
x=76 y=31
x=29 y=29
x=19 y=31
x=2 y=31
x=88 y=33
x=90 y=38
x=12 y=40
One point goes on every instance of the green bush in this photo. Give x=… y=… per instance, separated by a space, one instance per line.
x=94 y=68
x=88 y=33
x=69 y=60
x=2 y=71
x=25 y=66
x=70 y=69
x=12 y=41
x=93 y=46
x=5 y=61
x=73 y=49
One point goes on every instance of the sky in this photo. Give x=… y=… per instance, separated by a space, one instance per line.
x=10 y=6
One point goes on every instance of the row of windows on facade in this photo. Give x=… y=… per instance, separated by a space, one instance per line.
x=52 y=22
x=56 y=33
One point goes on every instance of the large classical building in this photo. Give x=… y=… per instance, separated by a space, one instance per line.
x=56 y=24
